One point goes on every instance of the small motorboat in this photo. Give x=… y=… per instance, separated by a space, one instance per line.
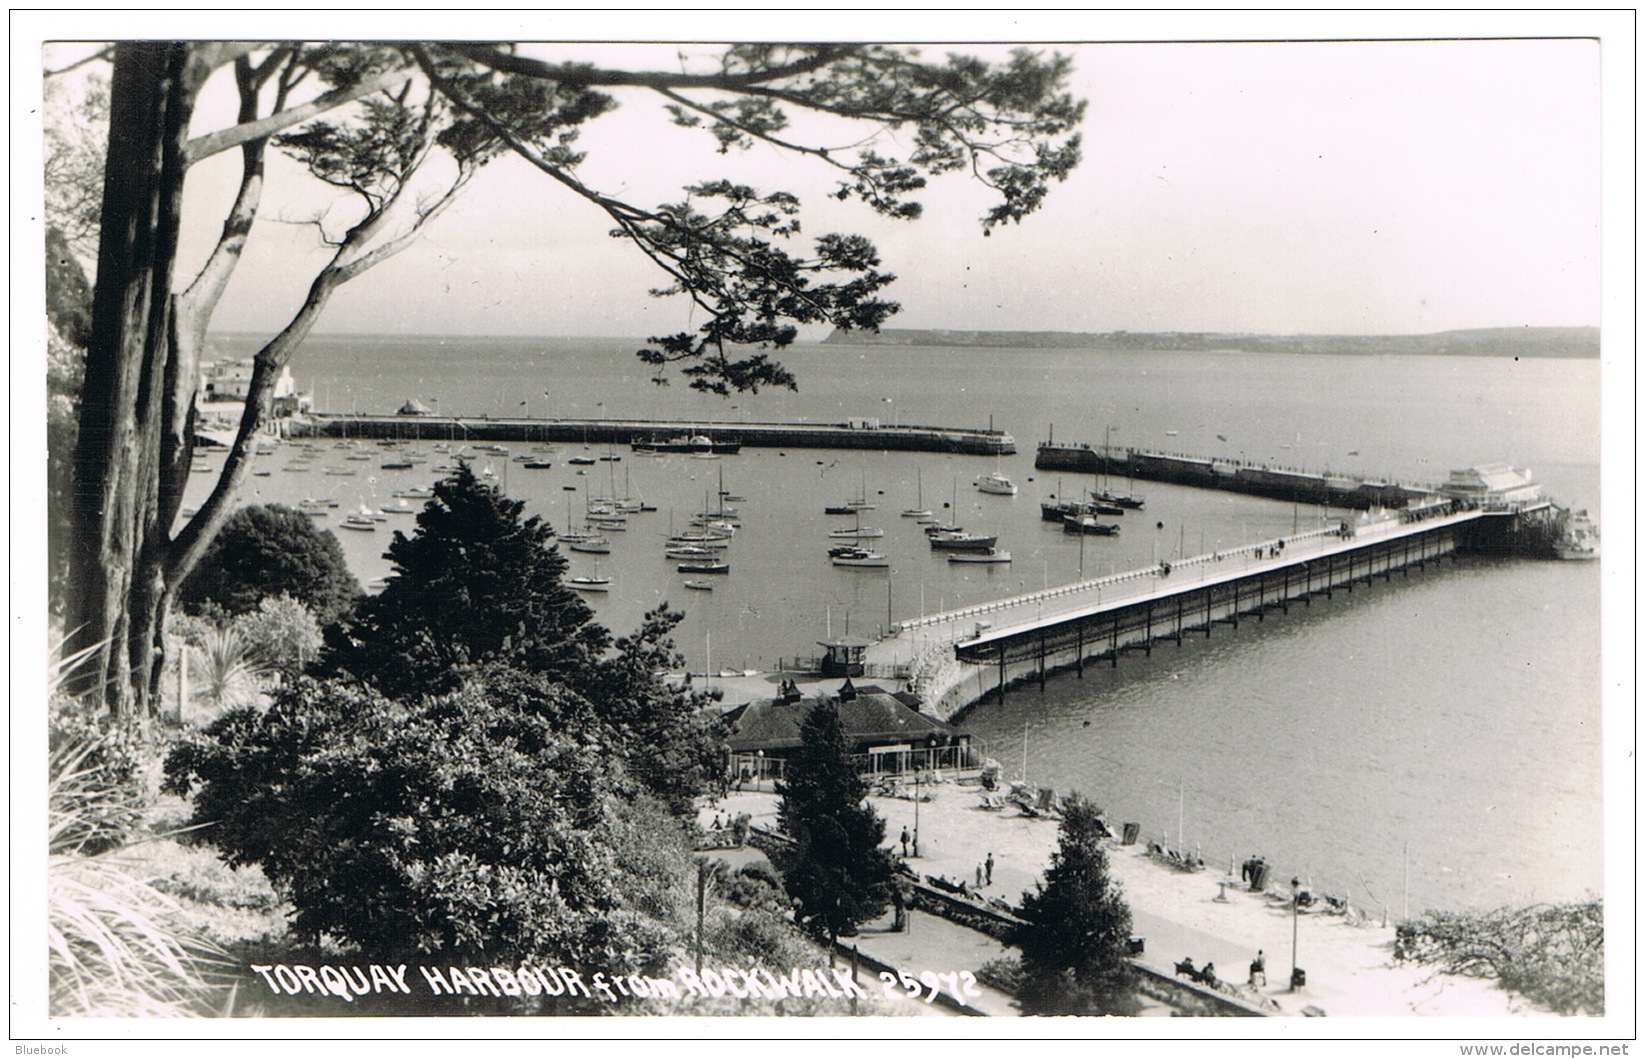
x=992 y=555
x=704 y=568
x=708 y=538
x=1089 y=525
x=997 y=484
x=700 y=586
x=962 y=541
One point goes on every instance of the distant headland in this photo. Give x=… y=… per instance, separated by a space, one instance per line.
x=1478 y=342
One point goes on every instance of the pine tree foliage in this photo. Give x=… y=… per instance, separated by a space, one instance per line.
x=837 y=872
x=1073 y=941
x=476 y=583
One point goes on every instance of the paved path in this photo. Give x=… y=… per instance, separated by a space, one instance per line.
x=939 y=946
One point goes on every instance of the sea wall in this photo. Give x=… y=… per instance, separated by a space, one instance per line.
x=1275 y=483
x=852 y=434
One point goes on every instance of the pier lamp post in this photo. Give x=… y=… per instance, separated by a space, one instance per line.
x=916 y=812
x=1296 y=895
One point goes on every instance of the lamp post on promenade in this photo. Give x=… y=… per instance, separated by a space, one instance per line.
x=1296 y=894
x=916 y=812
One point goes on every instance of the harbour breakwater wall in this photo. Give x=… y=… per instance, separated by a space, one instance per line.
x=852 y=434
x=1275 y=483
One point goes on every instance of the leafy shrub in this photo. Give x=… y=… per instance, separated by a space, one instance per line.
x=97 y=787
x=282 y=633
x=755 y=886
x=265 y=551
x=1553 y=954
x=1003 y=973
x=461 y=824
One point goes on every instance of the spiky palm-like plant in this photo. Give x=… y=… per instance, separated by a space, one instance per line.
x=226 y=670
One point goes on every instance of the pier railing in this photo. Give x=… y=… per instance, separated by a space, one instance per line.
x=1130 y=578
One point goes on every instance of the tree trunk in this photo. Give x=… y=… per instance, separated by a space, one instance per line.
x=115 y=580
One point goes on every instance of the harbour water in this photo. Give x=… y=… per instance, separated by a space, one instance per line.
x=1425 y=742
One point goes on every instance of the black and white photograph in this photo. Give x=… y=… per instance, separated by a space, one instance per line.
x=1033 y=526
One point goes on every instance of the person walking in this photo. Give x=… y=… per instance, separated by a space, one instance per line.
x=1259 y=969
x=905 y=843
x=989 y=866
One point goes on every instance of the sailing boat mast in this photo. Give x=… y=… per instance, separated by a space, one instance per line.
x=1182 y=843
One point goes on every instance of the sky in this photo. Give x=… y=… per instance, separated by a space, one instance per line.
x=1377 y=186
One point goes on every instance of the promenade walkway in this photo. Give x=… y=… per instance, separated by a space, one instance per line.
x=1349 y=960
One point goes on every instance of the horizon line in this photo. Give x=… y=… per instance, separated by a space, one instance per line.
x=235 y=333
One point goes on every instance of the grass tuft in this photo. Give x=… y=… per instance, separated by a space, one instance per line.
x=118 y=946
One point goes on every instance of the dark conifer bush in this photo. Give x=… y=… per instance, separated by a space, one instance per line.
x=475 y=583
x=1073 y=941
x=837 y=872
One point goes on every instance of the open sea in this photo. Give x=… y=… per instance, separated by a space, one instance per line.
x=1425 y=742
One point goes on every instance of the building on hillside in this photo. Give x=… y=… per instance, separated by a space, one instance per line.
x=230 y=380
x=886 y=733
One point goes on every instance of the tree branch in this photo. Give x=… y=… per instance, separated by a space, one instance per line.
x=506 y=62
x=101 y=55
x=214 y=142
